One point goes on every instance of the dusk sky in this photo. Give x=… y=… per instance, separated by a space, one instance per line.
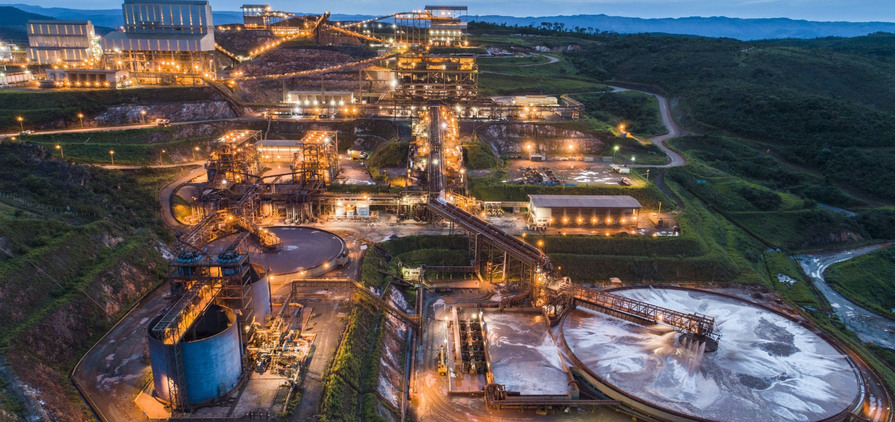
x=821 y=10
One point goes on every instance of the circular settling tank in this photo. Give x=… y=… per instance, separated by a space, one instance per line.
x=767 y=367
x=303 y=248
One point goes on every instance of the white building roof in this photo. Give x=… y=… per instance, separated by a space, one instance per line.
x=584 y=201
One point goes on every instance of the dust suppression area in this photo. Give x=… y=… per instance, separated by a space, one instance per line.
x=766 y=367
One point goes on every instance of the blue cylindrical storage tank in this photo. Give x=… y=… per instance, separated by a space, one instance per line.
x=212 y=355
x=160 y=368
x=261 y=298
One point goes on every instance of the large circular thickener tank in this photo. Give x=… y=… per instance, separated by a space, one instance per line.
x=303 y=249
x=211 y=356
x=767 y=367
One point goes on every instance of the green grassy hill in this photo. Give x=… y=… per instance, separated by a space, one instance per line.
x=880 y=45
x=828 y=111
x=78 y=246
x=867 y=280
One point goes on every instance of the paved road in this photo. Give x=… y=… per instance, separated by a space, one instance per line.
x=79 y=130
x=122 y=127
x=550 y=60
x=115 y=370
x=167 y=192
x=671 y=126
x=153 y=166
x=328 y=322
x=868 y=325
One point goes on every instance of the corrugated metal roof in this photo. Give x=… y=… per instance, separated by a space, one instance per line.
x=584 y=201
x=158 y=42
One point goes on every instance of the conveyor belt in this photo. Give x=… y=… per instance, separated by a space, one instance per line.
x=511 y=244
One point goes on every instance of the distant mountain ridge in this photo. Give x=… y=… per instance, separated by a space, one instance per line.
x=12 y=23
x=716 y=27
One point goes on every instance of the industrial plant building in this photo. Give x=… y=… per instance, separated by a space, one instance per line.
x=63 y=43
x=313 y=159
x=6 y=51
x=318 y=102
x=164 y=42
x=582 y=210
x=448 y=25
x=253 y=15
x=431 y=77
x=87 y=78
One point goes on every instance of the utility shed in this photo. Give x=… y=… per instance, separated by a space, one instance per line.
x=582 y=210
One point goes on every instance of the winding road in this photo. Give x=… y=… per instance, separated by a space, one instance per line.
x=671 y=126
x=166 y=194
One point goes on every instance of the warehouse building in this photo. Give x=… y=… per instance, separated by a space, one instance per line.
x=86 y=78
x=582 y=211
x=168 y=42
x=322 y=102
x=64 y=43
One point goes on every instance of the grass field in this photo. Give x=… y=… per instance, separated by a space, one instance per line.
x=868 y=280
x=39 y=108
x=508 y=84
x=132 y=147
x=532 y=75
x=639 y=112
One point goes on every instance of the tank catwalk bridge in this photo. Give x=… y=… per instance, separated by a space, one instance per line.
x=694 y=324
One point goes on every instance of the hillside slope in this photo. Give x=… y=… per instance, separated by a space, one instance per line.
x=13 y=21
x=78 y=246
x=831 y=112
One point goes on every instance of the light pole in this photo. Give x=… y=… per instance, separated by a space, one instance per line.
x=112 y=156
x=143 y=116
x=160 y=156
x=633 y=158
x=195 y=150
x=61 y=151
x=614 y=151
x=81 y=118
x=647 y=175
x=21 y=124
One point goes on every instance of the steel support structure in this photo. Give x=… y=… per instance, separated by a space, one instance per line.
x=695 y=324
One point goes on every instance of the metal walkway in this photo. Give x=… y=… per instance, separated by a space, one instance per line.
x=696 y=324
